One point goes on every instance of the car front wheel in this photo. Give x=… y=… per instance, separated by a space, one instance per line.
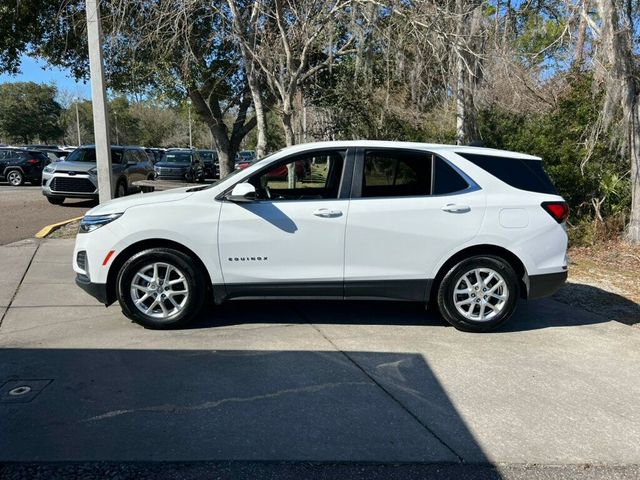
x=159 y=288
x=478 y=294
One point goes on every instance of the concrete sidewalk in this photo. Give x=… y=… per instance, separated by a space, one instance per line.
x=306 y=381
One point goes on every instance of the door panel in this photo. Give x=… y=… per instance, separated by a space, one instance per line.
x=405 y=238
x=282 y=241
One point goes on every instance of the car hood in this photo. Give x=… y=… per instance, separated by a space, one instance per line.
x=64 y=166
x=119 y=205
x=172 y=165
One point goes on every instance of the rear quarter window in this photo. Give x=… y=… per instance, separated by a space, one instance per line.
x=519 y=173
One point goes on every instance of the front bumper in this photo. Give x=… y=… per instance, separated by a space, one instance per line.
x=96 y=290
x=539 y=286
x=66 y=183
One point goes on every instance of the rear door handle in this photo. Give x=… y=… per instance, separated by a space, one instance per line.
x=327 y=213
x=453 y=208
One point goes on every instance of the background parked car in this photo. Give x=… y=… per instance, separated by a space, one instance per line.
x=76 y=176
x=211 y=164
x=180 y=164
x=155 y=154
x=18 y=165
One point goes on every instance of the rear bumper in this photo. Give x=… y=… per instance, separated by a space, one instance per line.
x=539 y=286
x=96 y=290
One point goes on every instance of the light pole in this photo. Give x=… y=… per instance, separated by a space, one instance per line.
x=190 y=138
x=78 y=123
x=99 y=102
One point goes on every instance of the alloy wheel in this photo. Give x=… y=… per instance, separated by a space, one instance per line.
x=159 y=290
x=14 y=178
x=480 y=294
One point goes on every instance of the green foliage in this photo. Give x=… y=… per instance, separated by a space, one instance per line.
x=29 y=111
x=594 y=180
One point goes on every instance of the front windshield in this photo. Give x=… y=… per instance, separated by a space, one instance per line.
x=207 y=155
x=177 y=157
x=89 y=155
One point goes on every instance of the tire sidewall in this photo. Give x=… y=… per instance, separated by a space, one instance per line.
x=121 y=189
x=194 y=277
x=448 y=284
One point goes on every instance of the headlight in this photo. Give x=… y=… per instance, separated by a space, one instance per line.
x=89 y=223
x=93 y=171
x=49 y=169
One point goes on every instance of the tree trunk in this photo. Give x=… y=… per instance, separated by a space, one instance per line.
x=261 y=118
x=617 y=43
x=460 y=77
x=582 y=32
x=290 y=138
x=632 y=118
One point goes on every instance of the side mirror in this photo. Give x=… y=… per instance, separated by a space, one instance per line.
x=242 y=193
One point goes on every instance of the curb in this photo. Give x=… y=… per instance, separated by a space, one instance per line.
x=54 y=226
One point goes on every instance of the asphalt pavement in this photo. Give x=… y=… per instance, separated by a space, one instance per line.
x=24 y=211
x=306 y=389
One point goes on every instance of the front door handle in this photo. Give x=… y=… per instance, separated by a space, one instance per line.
x=453 y=208
x=327 y=213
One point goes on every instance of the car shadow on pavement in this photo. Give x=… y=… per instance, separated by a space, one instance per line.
x=600 y=302
x=121 y=405
x=529 y=315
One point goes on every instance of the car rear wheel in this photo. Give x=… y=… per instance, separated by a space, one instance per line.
x=478 y=294
x=15 y=178
x=56 y=200
x=159 y=288
x=121 y=189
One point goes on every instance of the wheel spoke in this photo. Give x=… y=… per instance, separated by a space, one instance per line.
x=142 y=299
x=175 y=304
x=481 y=314
x=151 y=307
x=496 y=286
x=465 y=302
x=146 y=278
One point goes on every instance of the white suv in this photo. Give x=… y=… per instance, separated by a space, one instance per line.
x=472 y=229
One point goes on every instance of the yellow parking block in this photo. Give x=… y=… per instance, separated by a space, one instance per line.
x=50 y=228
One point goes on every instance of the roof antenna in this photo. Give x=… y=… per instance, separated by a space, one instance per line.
x=476 y=143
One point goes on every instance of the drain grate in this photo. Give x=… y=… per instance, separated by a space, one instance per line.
x=22 y=391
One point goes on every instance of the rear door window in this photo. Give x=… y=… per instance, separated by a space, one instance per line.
x=519 y=173
x=396 y=173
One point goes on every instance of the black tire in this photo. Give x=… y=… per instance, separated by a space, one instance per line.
x=194 y=278
x=446 y=303
x=15 y=178
x=121 y=189
x=56 y=200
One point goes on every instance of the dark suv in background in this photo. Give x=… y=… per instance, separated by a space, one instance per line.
x=76 y=176
x=180 y=164
x=18 y=165
x=211 y=164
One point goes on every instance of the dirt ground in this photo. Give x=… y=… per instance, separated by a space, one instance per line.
x=605 y=278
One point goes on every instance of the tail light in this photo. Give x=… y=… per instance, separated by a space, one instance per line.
x=33 y=161
x=558 y=210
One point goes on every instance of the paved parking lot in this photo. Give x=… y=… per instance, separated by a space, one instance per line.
x=312 y=382
x=24 y=211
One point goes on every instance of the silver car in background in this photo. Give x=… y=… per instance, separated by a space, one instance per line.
x=76 y=176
